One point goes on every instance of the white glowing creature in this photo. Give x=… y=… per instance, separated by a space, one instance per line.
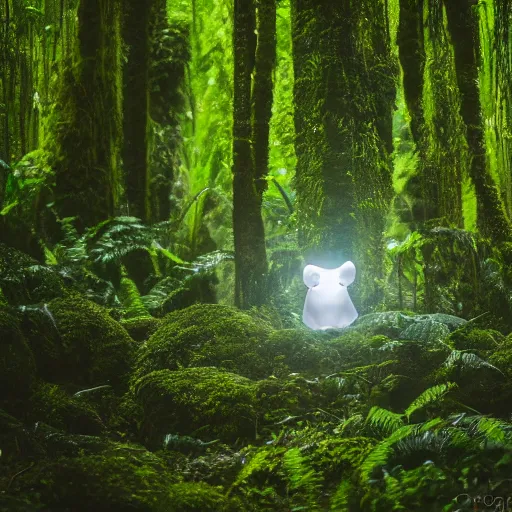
x=328 y=303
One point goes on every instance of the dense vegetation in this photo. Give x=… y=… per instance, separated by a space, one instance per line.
x=167 y=168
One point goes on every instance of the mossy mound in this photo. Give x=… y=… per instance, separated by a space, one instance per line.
x=55 y=407
x=199 y=497
x=93 y=349
x=279 y=399
x=473 y=338
x=206 y=335
x=141 y=328
x=17 y=365
x=183 y=401
x=298 y=350
x=26 y=281
x=15 y=439
x=101 y=483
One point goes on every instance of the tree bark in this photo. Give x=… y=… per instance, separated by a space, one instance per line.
x=344 y=97
x=88 y=133
x=248 y=229
x=464 y=30
x=136 y=107
x=262 y=93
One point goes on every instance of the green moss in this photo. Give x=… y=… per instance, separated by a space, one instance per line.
x=17 y=366
x=182 y=401
x=123 y=482
x=282 y=398
x=93 y=348
x=199 y=497
x=24 y=280
x=298 y=350
x=55 y=407
x=475 y=339
x=206 y=335
x=141 y=328
x=15 y=440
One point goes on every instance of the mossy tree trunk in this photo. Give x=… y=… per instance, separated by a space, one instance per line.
x=262 y=93
x=464 y=30
x=136 y=120
x=88 y=125
x=344 y=96
x=411 y=49
x=248 y=229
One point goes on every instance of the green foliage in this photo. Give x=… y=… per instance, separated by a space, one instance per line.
x=25 y=281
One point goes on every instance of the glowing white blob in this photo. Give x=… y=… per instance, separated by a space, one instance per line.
x=328 y=303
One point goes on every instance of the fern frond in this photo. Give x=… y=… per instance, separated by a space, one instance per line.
x=429 y=397
x=387 y=421
x=466 y=361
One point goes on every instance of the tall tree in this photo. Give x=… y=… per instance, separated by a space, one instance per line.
x=88 y=125
x=464 y=30
x=344 y=95
x=262 y=93
x=248 y=229
x=136 y=35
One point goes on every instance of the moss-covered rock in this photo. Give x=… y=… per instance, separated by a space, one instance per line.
x=206 y=335
x=279 y=399
x=26 y=281
x=473 y=338
x=17 y=366
x=298 y=350
x=92 y=348
x=55 y=407
x=15 y=439
x=124 y=482
x=199 y=497
x=182 y=401
x=141 y=328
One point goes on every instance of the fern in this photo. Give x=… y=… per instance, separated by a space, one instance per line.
x=385 y=420
x=430 y=396
x=131 y=300
x=302 y=479
x=467 y=361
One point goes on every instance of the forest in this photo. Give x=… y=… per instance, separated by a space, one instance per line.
x=168 y=168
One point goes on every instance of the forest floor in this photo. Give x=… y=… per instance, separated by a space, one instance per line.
x=213 y=409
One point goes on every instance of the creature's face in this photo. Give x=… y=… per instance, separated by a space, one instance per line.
x=328 y=303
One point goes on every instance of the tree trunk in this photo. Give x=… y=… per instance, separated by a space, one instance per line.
x=88 y=134
x=248 y=230
x=464 y=30
x=262 y=94
x=136 y=106
x=344 y=97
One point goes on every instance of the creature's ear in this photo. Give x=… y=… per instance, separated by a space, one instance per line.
x=347 y=273
x=311 y=276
